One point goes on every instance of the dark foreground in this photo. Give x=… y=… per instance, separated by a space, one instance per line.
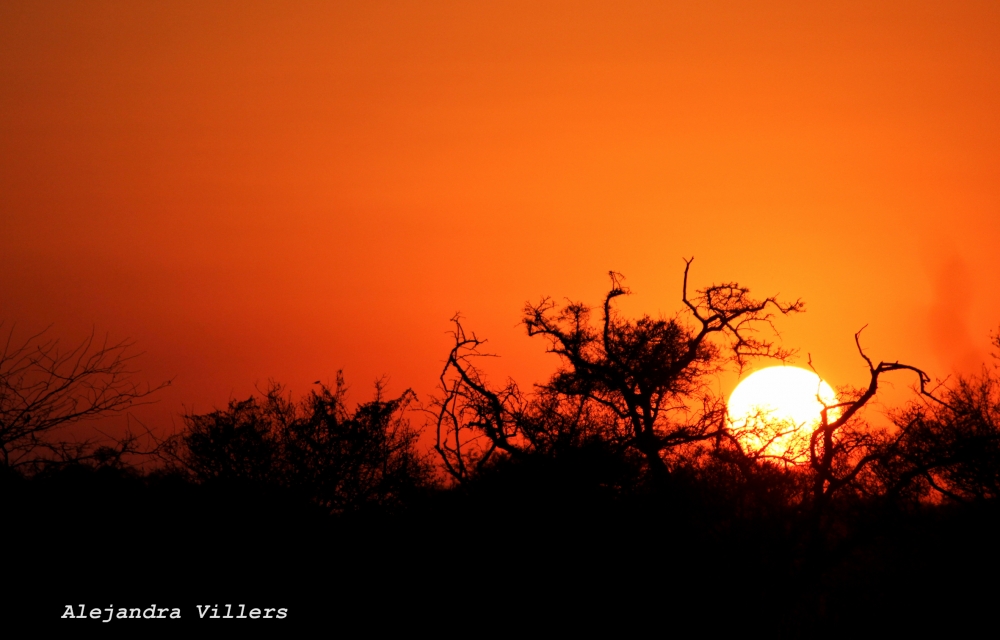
x=516 y=552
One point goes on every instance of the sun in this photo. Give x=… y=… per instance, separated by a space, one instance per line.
x=773 y=410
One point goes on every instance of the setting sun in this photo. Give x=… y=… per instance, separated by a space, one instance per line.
x=773 y=409
x=438 y=300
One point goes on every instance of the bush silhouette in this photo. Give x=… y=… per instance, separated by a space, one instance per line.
x=618 y=474
x=343 y=460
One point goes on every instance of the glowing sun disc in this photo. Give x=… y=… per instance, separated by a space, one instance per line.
x=774 y=409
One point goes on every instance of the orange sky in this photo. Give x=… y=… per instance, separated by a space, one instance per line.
x=278 y=190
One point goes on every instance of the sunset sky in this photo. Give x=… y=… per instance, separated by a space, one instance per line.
x=255 y=190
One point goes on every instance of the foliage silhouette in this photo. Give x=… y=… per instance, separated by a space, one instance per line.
x=561 y=492
x=949 y=449
x=343 y=460
x=633 y=385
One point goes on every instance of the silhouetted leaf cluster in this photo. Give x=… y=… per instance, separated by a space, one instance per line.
x=344 y=460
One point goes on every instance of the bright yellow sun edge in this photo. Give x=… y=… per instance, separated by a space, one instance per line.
x=774 y=410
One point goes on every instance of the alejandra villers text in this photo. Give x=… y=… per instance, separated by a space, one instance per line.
x=153 y=612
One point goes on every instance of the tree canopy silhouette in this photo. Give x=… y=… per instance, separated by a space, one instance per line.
x=343 y=460
x=948 y=446
x=627 y=383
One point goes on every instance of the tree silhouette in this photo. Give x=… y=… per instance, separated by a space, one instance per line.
x=44 y=387
x=342 y=460
x=950 y=446
x=629 y=383
x=624 y=442
x=843 y=448
x=241 y=442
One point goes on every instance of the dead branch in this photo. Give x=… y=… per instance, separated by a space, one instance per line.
x=44 y=387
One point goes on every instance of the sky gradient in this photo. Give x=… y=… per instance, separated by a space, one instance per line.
x=256 y=191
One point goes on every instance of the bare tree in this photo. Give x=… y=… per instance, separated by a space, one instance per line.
x=44 y=387
x=842 y=448
x=635 y=384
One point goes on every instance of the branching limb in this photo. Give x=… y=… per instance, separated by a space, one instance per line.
x=827 y=444
x=469 y=410
x=43 y=388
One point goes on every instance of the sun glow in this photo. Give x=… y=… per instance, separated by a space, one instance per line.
x=774 y=410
